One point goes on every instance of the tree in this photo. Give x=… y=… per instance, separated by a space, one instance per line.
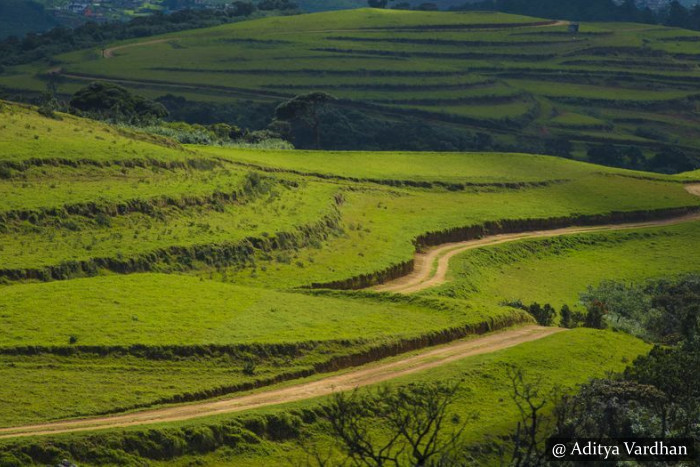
x=377 y=3
x=276 y=5
x=533 y=427
x=306 y=109
x=429 y=6
x=566 y=320
x=675 y=372
x=672 y=160
x=107 y=100
x=561 y=147
x=595 y=316
x=609 y=408
x=417 y=427
x=543 y=315
x=678 y=15
x=242 y=8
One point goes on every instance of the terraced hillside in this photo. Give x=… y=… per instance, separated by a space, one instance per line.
x=137 y=273
x=521 y=80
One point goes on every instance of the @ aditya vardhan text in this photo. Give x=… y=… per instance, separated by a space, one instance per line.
x=639 y=449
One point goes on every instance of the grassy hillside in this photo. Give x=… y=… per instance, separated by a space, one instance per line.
x=137 y=272
x=521 y=80
x=484 y=402
x=556 y=270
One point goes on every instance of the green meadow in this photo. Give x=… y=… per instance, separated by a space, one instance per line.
x=136 y=272
x=556 y=270
x=483 y=402
x=516 y=78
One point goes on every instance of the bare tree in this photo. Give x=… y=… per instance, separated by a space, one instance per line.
x=534 y=427
x=410 y=425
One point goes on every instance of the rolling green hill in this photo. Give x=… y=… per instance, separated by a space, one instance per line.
x=523 y=81
x=136 y=272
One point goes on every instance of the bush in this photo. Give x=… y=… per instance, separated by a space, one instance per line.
x=249 y=367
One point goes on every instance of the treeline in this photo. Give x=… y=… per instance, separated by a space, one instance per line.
x=33 y=46
x=675 y=14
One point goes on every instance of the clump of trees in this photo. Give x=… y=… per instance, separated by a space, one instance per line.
x=665 y=311
x=15 y=50
x=425 y=6
x=109 y=101
x=305 y=110
x=667 y=160
x=657 y=396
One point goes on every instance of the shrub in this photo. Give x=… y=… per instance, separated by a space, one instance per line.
x=249 y=367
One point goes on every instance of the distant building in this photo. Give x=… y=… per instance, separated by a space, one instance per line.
x=77 y=7
x=653 y=4
x=574 y=28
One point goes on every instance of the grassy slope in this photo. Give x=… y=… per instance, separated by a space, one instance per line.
x=28 y=136
x=445 y=167
x=126 y=310
x=556 y=270
x=486 y=388
x=427 y=61
x=484 y=400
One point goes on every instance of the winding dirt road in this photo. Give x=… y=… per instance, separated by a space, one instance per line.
x=427 y=274
x=109 y=53
x=431 y=267
x=369 y=374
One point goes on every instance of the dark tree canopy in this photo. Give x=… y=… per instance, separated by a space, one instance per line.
x=110 y=101
x=306 y=110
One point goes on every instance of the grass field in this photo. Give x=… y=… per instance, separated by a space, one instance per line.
x=556 y=270
x=471 y=168
x=137 y=279
x=484 y=400
x=481 y=70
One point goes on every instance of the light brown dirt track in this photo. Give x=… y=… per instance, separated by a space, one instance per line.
x=431 y=267
x=109 y=53
x=370 y=374
x=425 y=275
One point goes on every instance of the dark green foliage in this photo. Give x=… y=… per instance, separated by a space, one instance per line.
x=630 y=157
x=595 y=316
x=544 y=315
x=608 y=408
x=675 y=372
x=665 y=311
x=566 y=317
x=348 y=125
x=277 y=5
x=658 y=395
x=306 y=110
x=249 y=367
x=110 y=101
x=246 y=114
x=672 y=160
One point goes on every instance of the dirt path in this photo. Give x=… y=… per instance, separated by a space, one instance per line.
x=431 y=267
x=367 y=375
x=109 y=53
x=693 y=189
